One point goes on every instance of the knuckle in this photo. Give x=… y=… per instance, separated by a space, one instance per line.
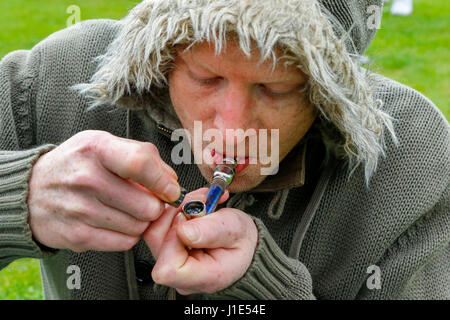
x=80 y=236
x=144 y=211
x=87 y=134
x=150 y=148
x=161 y=274
x=81 y=208
x=82 y=177
x=154 y=209
x=94 y=135
x=156 y=276
x=138 y=227
x=142 y=157
x=129 y=243
x=88 y=140
x=136 y=160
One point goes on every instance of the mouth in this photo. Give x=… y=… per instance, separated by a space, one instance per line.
x=243 y=162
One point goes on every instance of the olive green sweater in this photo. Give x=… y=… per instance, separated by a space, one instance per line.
x=319 y=238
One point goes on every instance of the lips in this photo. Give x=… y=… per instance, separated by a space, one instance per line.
x=243 y=162
x=241 y=166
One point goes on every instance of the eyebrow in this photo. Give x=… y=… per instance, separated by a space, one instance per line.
x=277 y=81
x=200 y=65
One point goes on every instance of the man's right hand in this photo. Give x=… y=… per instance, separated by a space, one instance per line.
x=98 y=192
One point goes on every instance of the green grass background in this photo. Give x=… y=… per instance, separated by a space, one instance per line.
x=413 y=50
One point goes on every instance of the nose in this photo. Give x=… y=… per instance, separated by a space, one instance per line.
x=233 y=110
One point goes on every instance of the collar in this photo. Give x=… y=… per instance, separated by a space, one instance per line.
x=291 y=173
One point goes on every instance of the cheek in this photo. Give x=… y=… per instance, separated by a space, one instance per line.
x=293 y=122
x=187 y=100
x=290 y=118
x=179 y=94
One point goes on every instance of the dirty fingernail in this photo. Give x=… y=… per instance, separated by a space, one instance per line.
x=180 y=199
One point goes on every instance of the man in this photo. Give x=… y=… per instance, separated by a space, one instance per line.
x=356 y=210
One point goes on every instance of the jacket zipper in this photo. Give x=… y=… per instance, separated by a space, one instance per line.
x=164 y=130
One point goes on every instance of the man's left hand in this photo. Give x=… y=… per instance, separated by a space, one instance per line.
x=207 y=254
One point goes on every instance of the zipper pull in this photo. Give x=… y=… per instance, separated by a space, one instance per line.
x=164 y=130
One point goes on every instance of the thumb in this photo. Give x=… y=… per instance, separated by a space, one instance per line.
x=179 y=218
x=156 y=233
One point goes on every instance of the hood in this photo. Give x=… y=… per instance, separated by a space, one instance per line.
x=323 y=38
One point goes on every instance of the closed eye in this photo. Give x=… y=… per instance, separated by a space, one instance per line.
x=204 y=80
x=208 y=81
x=277 y=93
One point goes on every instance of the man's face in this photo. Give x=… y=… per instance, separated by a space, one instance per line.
x=233 y=91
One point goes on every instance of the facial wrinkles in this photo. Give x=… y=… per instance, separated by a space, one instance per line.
x=242 y=88
x=237 y=93
x=237 y=67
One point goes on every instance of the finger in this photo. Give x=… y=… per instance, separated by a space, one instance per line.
x=194 y=272
x=200 y=194
x=165 y=166
x=90 y=238
x=109 y=218
x=155 y=234
x=223 y=229
x=157 y=231
x=130 y=197
x=142 y=163
x=172 y=256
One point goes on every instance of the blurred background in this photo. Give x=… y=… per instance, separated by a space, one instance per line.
x=413 y=49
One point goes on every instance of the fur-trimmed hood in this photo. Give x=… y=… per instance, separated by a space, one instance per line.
x=324 y=38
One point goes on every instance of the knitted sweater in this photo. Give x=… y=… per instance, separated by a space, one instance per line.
x=319 y=238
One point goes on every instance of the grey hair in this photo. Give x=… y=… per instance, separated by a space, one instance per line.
x=139 y=59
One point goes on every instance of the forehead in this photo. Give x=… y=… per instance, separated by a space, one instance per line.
x=233 y=61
